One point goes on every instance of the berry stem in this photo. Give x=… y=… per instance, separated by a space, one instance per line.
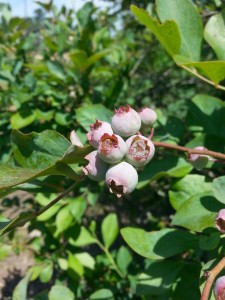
x=190 y=150
x=109 y=256
x=210 y=277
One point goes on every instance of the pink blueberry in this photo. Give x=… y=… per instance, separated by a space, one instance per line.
x=126 y=121
x=96 y=132
x=111 y=148
x=140 y=150
x=198 y=161
x=96 y=168
x=219 y=288
x=121 y=179
x=220 y=221
x=148 y=116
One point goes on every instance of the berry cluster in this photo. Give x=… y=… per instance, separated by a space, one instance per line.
x=116 y=159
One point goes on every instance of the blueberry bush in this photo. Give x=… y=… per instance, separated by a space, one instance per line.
x=112 y=123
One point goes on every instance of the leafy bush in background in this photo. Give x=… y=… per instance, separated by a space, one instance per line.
x=63 y=69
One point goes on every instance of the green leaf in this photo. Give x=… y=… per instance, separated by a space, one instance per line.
x=17 y=222
x=123 y=259
x=167 y=33
x=168 y=166
x=109 y=229
x=46 y=273
x=185 y=288
x=22 y=119
x=11 y=176
x=188 y=186
x=64 y=220
x=77 y=208
x=87 y=115
x=76 y=154
x=74 y=265
x=214 y=70
x=205 y=114
x=84 y=238
x=209 y=241
x=86 y=260
x=20 y=291
x=38 y=150
x=59 y=292
x=218 y=186
x=189 y=22
x=56 y=69
x=158 y=244
x=41 y=154
x=198 y=212
x=103 y=294
x=49 y=213
x=158 y=278
x=82 y=61
x=214 y=34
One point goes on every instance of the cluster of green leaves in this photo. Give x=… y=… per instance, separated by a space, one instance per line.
x=72 y=68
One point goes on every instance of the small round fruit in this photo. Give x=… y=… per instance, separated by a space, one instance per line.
x=140 y=150
x=96 y=168
x=148 y=116
x=198 y=161
x=219 y=288
x=126 y=121
x=111 y=148
x=121 y=179
x=96 y=132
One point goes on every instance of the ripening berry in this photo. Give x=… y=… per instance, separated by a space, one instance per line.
x=96 y=132
x=121 y=179
x=75 y=140
x=148 y=116
x=111 y=148
x=96 y=168
x=219 y=288
x=140 y=150
x=220 y=221
x=126 y=121
x=198 y=161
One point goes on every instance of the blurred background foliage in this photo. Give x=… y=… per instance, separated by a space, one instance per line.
x=58 y=70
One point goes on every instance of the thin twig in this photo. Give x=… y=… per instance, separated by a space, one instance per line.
x=195 y=73
x=190 y=150
x=57 y=199
x=109 y=256
x=211 y=275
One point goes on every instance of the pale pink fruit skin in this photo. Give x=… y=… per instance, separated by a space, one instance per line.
x=121 y=179
x=140 y=150
x=148 y=116
x=126 y=121
x=96 y=168
x=75 y=140
x=96 y=132
x=220 y=221
x=219 y=288
x=111 y=148
x=198 y=161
